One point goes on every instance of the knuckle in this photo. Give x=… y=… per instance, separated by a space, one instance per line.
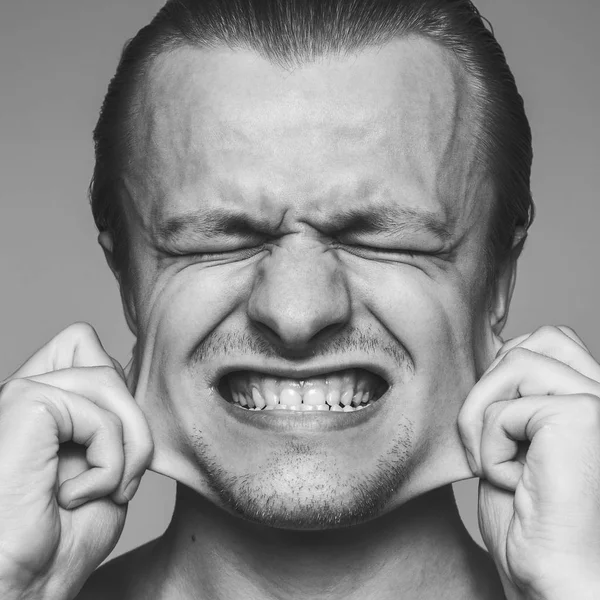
x=106 y=375
x=547 y=331
x=492 y=413
x=517 y=354
x=15 y=388
x=29 y=403
x=113 y=423
x=81 y=330
x=39 y=407
x=586 y=409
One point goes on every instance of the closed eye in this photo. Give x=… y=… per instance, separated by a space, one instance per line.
x=376 y=252
x=219 y=256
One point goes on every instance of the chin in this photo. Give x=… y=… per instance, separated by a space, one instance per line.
x=306 y=494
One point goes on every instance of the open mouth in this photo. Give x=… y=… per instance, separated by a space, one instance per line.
x=341 y=391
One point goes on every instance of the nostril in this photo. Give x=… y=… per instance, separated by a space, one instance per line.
x=298 y=339
x=297 y=324
x=299 y=299
x=328 y=332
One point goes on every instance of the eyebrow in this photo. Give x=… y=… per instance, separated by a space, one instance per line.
x=208 y=224
x=395 y=220
x=389 y=220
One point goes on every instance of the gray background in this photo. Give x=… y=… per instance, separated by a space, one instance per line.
x=56 y=58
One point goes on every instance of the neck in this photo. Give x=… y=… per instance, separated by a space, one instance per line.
x=415 y=551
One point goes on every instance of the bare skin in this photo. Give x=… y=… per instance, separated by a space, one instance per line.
x=287 y=228
x=269 y=562
x=378 y=132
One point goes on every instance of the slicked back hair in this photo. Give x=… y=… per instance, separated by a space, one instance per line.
x=293 y=32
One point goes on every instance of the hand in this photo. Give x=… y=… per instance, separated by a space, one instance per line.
x=73 y=448
x=531 y=426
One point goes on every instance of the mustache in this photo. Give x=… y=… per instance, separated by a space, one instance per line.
x=224 y=344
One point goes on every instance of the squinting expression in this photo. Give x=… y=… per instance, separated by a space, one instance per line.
x=307 y=277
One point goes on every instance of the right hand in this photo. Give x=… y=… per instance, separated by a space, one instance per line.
x=73 y=448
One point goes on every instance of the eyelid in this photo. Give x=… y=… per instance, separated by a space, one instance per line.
x=214 y=255
x=381 y=250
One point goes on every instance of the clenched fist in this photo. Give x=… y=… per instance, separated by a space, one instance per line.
x=73 y=448
x=531 y=426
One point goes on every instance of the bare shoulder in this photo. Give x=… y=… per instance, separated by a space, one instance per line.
x=120 y=579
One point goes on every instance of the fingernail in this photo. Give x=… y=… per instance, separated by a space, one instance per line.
x=131 y=489
x=76 y=503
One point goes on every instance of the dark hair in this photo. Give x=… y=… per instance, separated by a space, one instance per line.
x=290 y=32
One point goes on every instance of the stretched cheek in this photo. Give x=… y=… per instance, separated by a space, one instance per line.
x=434 y=324
x=188 y=307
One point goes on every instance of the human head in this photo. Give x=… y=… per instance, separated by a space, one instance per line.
x=292 y=33
x=296 y=303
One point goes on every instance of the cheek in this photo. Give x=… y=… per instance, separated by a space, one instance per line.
x=194 y=301
x=410 y=301
x=433 y=318
x=182 y=308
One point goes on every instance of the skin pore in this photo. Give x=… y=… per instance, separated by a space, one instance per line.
x=295 y=223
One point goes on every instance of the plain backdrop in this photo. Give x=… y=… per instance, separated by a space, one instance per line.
x=56 y=58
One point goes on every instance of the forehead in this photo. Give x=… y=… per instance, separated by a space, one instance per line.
x=228 y=128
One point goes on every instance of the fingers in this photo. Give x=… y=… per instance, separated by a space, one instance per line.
x=551 y=361
x=560 y=343
x=561 y=419
x=519 y=374
x=76 y=362
x=37 y=417
x=76 y=346
x=106 y=390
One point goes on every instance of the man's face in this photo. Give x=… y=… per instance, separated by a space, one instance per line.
x=312 y=240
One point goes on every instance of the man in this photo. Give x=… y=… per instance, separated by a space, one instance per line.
x=313 y=211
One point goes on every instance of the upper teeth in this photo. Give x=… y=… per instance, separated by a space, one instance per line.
x=347 y=390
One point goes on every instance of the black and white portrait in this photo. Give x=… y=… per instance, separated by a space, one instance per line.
x=299 y=300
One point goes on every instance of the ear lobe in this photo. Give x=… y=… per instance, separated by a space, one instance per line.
x=501 y=296
x=505 y=284
x=105 y=239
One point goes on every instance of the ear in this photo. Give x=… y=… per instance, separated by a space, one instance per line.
x=502 y=290
x=105 y=239
x=501 y=295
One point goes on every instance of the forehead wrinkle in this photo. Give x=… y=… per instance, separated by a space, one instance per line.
x=422 y=152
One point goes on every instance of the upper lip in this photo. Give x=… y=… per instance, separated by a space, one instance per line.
x=295 y=371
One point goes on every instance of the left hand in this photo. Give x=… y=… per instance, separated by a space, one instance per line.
x=531 y=426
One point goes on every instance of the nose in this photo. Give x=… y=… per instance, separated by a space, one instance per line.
x=300 y=297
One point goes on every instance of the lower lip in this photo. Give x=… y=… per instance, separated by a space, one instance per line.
x=294 y=421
